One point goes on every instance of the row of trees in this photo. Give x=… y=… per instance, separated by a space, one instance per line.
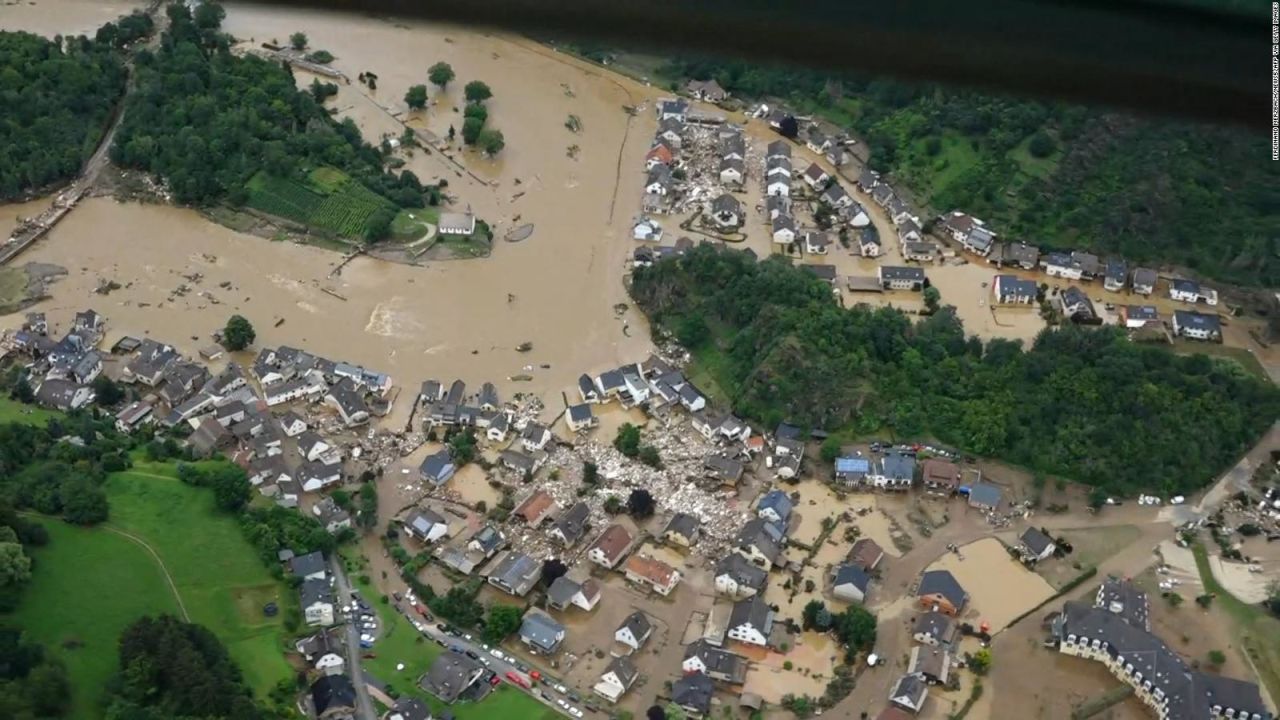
x=1081 y=403
x=1053 y=174
x=207 y=121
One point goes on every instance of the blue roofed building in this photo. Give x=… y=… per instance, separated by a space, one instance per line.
x=775 y=506
x=852 y=471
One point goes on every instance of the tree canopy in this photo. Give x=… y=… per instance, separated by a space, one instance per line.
x=477 y=91
x=1087 y=404
x=416 y=97
x=440 y=74
x=172 y=669
x=54 y=106
x=238 y=333
x=208 y=121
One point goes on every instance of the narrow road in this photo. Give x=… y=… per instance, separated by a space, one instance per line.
x=364 y=705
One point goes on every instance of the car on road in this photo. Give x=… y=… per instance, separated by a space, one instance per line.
x=561 y=689
x=494 y=680
x=517 y=679
x=472 y=654
x=497 y=653
x=574 y=696
x=575 y=712
x=456 y=648
x=562 y=703
x=442 y=627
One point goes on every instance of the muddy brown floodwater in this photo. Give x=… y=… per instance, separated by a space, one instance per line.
x=448 y=319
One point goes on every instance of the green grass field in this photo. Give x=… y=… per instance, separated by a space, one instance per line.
x=223 y=583
x=1246 y=360
x=14 y=411
x=327 y=200
x=410 y=225
x=88 y=585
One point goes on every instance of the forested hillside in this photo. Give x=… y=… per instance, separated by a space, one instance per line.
x=1082 y=403
x=1161 y=192
x=54 y=105
x=209 y=122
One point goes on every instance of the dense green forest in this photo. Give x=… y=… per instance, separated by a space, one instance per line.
x=55 y=99
x=54 y=470
x=1082 y=403
x=1060 y=176
x=172 y=670
x=209 y=122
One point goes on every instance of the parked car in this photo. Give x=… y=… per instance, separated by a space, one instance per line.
x=494 y=680
x=472 y=654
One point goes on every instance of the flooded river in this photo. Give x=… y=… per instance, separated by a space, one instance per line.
x=557 y=290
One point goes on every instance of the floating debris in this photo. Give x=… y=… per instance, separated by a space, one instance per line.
x=524 y=347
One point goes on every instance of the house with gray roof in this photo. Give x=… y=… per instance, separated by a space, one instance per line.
x=317 y=601
x=541 y=633
x=901 y=278
x=985 y=496
x=1016 y=254
x=760 y=542
x=451 y=675
x=939 y=590
x=693 y=693
x=310 y=566
x=716 y=663
x=1036 y=545
x=850 y=583
x=775 y=506
x=347 y=400
x=727 y=470
x=682 y=529
x=738 y=577
x=751 y=621
x=62 y=394
x=893 y=471
x=426 y=525
x=580 y=417
x=515 y=573
x=1144 y=280
x=634 y=630
x=1197 y=326
x=909 y=692
x=617 y=679
x=934 y=628
x=437 y=468
x=1076 y=305
x=561 y=593
x=569 y=528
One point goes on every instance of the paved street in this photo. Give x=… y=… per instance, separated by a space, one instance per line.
x=364 y=705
